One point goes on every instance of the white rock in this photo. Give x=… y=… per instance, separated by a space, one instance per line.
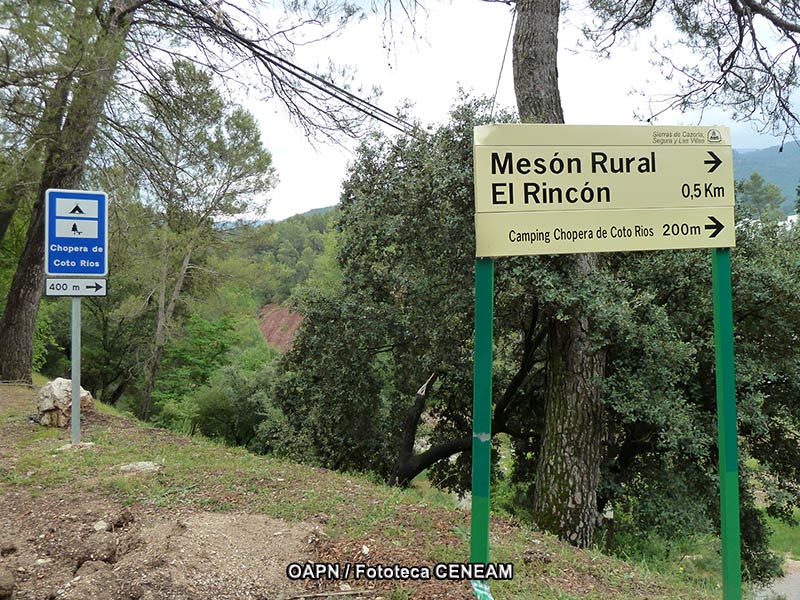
x=54 y=402
x=100 y=526
x=144 y=465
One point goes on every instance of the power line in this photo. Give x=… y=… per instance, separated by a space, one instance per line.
x=270 y=58
x=503 y=62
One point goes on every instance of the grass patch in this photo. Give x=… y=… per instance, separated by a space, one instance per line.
x=785 y=538
x=39 y=380
x=423 y=491
x=694 y=561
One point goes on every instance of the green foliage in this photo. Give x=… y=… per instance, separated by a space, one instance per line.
x=272 y=259
x=759 y=563
x=344 y=423
x=275 y=436
x=658 y=505
x=401 y=309
x=325 y=274
x=760 y=199
x=404 y=311
x=667 y=425
x=237 y=399
x=189 y=362
x=201 y=157
x=43 y=338
x=32 y=46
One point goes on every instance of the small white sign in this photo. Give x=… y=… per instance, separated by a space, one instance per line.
x=77 y=208
x=76 y=230
x=74 y=286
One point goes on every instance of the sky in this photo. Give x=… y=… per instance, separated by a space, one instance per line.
x=461 y=44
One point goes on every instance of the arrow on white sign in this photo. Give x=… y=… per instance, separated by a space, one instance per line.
x=716 y=226
x=714 y=162
x=75 y=286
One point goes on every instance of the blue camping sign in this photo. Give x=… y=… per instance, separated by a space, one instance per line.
x=76 y=233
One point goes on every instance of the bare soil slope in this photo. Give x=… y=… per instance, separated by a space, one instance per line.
x=70 y=543
x=217 y=523
x=279 y=325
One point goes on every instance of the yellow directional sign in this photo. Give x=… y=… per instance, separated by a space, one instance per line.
x=553 y=189
x=517 y=234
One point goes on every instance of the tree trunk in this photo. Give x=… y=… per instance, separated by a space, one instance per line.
x=409 y=465
x=568 y=464
x=404 y=473
x=66 y=155
x=401 y=473
x=160 y=337
x=165 y=313
x=535 y=52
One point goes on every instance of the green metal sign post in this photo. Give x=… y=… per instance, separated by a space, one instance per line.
x=726 y=424
x=531 y=199
x=726 y=417
x=482 y=409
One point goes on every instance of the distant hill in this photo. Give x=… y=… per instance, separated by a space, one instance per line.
x=233 y=224
x=323 y=210
x=314 y=211
x=780 y=168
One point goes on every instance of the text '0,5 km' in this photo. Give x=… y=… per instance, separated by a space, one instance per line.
x=558 y=189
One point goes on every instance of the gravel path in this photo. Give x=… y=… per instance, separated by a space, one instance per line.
x=787 y=588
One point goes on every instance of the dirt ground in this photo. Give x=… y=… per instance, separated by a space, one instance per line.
x=279 y=325
x=79 y=548
x=61 y=543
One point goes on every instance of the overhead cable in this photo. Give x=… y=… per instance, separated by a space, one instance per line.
x=503 y=61
x=348 y=98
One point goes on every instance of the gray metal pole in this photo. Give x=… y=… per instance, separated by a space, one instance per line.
x=76 y=370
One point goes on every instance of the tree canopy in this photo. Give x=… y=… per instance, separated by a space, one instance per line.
x=79 y=68
x=742 y=55
x=401 y=323
x=763 y=200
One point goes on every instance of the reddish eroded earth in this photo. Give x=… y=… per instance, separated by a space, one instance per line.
x=279 y=325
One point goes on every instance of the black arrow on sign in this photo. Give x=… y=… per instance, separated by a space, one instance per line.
x=97 y=286
x=77 y=210
x=714 y=162
x=716 y=226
